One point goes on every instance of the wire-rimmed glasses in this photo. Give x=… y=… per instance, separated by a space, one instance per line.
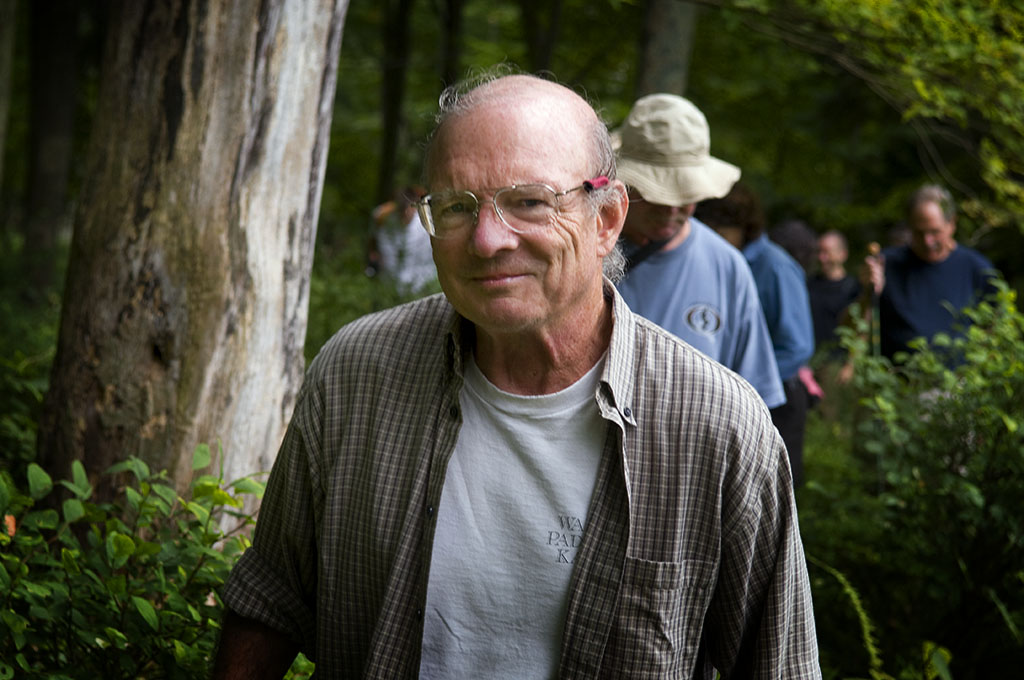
x=522 y=208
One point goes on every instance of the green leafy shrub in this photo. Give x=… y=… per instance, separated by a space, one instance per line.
x=927 y=519
x=116 y=590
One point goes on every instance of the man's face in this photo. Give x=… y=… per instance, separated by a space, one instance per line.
x=646 y=221
x=831 y=253
x=931 y=234
x=501 y=280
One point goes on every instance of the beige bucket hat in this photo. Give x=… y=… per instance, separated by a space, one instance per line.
x=663 y=151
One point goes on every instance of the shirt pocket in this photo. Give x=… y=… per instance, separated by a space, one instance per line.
x=659 y=619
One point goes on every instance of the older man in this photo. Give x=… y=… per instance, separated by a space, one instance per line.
x=922 y=286
x=683 y=276
x=519 y=478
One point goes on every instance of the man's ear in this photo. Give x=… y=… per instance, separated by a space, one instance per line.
x=611 y=215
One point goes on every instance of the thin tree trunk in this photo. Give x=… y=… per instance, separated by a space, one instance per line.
x=541 y=23
x=186 y=298
x=451 y=31
x=8 y=16
x=669 y=30
x=392 y=96
x=53 y=104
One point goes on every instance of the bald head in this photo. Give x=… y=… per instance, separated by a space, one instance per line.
x=524 y=99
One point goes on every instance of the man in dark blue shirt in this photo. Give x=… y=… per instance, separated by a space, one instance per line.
x=923 y=285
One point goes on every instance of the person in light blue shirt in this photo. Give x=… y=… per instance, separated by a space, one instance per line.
x=681 y=274
x=782 y=289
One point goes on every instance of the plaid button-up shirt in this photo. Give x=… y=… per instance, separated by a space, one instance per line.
x=692 y=556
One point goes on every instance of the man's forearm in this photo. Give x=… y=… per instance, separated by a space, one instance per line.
x=250 y=650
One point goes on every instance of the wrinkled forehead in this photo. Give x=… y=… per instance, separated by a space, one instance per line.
x=929 y=216
x=538 y=128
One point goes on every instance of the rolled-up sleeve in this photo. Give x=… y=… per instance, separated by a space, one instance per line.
x=274 y=581
x=761 y=621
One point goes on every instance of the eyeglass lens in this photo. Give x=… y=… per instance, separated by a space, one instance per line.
x=521 y=208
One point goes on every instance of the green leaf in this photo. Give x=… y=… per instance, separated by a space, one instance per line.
x=201 y=513
x=78 y=475
x=6 y=671
x=248 y=485
x=165 y=492
x=69 y=560
x=5 y=578
x=39 y=482
x=5 y=498
x=45 y=519
x=119 y=548
x=134 y=497
x=201 y=457
x=73 y=510
x=116 y=637
x=148 y=612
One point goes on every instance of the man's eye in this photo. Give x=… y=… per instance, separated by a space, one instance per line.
x=530 y=201
x=454 y=208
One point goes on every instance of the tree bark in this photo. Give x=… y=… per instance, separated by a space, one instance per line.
x=8 y=15
x=541 y=22
x=53 y=105
x=186 y=297
x=395 y=63
x=451 y=32
x=669 y=30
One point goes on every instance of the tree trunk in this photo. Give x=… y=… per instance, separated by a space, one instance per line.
x=392 y=94
x=8 y=15
x=541 y=21
x=451 y=32
x=53 y=104
x=669 y=29
x=186 y=296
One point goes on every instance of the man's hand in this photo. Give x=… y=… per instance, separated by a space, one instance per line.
x=872 y=274
x=250 y=650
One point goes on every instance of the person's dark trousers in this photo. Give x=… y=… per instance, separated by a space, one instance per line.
x=789 y=420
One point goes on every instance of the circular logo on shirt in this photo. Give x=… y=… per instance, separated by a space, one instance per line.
x=704 y=319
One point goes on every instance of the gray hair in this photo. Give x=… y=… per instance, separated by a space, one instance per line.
x=933 y=193
x=614 y=264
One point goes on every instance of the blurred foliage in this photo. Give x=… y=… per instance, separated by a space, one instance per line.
x=115 y=590
x=129 y=589
x=911 y=91
x=915 y=498
x=28 y=339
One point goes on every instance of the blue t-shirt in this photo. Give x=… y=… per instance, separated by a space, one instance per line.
x=917 y=297
x=703 y=292
x=782 y=288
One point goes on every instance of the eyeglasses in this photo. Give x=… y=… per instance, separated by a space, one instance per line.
x=522 y=208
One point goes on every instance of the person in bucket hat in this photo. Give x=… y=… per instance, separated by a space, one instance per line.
x=680 y=273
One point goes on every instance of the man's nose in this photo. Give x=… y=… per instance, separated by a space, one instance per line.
x=491 y=234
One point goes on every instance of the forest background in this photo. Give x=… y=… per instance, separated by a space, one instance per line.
x=834 y=111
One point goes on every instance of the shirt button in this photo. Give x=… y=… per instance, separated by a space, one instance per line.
x=453 y=411
x=430 y=511
x=626 y=412
x=419 y=613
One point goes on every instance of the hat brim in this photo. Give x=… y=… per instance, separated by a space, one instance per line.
x=679 y=185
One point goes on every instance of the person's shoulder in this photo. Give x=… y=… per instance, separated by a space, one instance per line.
x=396 y=334
x=712 y=246
x=677 y=367
x=971 y=257
x=896 y=255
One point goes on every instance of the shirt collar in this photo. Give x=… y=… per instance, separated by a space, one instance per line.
x=616 y=395
x=756 y=247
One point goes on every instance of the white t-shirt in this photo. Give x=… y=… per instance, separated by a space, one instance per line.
x=511 y=518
